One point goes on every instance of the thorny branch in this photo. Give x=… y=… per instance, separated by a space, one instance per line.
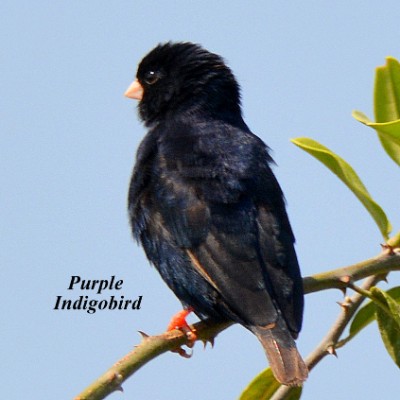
x=153 y=346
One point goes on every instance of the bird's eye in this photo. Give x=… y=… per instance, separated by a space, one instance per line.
x=151 y=77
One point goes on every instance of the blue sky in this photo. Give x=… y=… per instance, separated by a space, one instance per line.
x=68 y=140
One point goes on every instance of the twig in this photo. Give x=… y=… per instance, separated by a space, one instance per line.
x=153 y=346
x=378 y=265
x=149 y=348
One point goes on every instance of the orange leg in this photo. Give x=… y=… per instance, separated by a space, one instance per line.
x=178 y=321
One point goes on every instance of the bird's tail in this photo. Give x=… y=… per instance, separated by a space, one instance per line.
x=284 y=359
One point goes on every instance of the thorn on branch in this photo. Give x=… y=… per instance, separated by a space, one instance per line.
x=143 y=335
x=115 y=380
x=346 y=303
x=387 y=249
x=116 y=377
x=343 y=290
x=331 y=350
x=345 y=279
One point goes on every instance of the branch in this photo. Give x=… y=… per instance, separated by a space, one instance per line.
x=383 y=263
x=149 y=348
x=153 y=346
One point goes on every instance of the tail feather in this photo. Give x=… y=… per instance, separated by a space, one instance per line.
x=284 y=359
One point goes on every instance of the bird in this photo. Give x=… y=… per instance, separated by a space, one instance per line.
x=206 y=207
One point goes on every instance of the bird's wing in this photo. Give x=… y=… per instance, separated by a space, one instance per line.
x=236 y=233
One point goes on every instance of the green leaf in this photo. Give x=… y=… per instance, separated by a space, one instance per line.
x=394 y=241
x=387 y=91
x=264 y=386
x=362 y=319
x=391 y=129
x=388 y=132
x=294 y=393
x=366 y=314
x=386 y=108
x=348 y=176
x=389 y=323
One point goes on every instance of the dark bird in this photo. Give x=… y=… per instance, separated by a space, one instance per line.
x=206 y=206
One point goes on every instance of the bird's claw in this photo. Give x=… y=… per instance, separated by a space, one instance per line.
x=182 y=352
x=178 y=321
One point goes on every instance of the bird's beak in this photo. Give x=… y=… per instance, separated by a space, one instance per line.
x=135 y=90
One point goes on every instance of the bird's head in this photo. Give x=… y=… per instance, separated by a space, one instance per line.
x=184 y=78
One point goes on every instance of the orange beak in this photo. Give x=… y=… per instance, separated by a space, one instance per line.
x=134 y=91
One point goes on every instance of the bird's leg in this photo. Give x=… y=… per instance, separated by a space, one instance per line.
x=178 y=321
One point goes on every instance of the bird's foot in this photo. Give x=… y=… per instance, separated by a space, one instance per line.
x=178 y=321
